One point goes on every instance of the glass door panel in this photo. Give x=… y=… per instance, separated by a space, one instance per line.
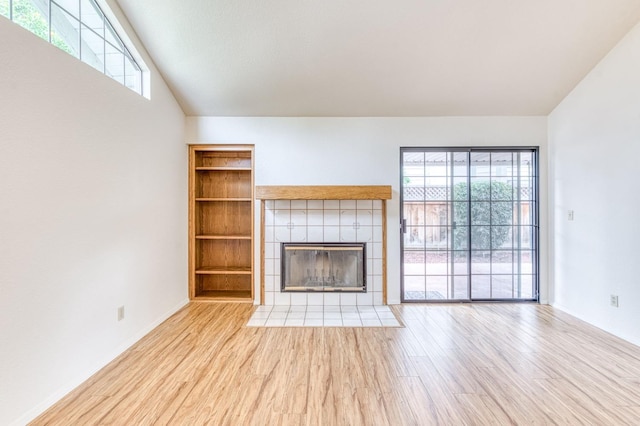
x=468 y=220
x=435 y=261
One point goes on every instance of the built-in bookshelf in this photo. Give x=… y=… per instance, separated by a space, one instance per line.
x=221 y=222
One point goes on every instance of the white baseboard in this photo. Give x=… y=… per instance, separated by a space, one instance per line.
x=590 y=322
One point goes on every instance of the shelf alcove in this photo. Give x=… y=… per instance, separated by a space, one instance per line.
x=221 y=216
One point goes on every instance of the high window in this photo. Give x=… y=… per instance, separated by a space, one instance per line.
x=80 y=28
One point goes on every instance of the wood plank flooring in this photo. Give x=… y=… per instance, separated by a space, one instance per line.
x=451 y=364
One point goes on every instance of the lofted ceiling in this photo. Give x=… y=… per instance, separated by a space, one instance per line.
x=376 y=57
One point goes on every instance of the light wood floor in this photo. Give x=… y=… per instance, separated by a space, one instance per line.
x=451 y=364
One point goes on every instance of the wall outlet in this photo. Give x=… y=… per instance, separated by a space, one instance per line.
x=613 y=300
x=570 y=215
x=120 y=313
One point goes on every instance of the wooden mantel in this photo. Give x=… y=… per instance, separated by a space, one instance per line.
x=324 y=192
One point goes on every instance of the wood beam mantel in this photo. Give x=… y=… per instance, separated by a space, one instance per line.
x=324 y=192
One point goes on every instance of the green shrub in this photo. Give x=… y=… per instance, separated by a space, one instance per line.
x=491 y=204
x=31 y=17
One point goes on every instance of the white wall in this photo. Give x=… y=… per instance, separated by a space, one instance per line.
x=93 y=215
x=364 y=151
x=594 y=137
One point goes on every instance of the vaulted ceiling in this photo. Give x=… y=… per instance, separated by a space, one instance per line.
x=376 y=57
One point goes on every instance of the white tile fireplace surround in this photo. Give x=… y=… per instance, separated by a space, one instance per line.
x=323 y=221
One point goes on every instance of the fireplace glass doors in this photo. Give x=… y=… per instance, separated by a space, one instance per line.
x=318 y=267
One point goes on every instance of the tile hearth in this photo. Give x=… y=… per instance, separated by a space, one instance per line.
x=323 y=316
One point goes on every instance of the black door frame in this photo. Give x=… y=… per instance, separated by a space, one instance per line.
x=535 y=225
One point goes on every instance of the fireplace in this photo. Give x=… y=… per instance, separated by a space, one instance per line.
x=323 y=215
x=323 y=267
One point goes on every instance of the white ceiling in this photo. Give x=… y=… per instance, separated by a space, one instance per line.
x=376 y=57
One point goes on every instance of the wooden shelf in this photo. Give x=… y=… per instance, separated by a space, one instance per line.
x=343 y=192
x=202 y=199
x=223 y=237
x=226 y=271
x=225 y=296
x=214 y=169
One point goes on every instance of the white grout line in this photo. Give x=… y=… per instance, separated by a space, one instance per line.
x=317 y=316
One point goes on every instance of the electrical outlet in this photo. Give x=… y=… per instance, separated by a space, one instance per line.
x=613 y=300
x=120 y=313
x=570 y=215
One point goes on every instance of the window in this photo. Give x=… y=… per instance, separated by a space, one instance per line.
x=80 y=28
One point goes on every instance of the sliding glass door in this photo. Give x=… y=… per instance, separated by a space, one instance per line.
x=469 y=224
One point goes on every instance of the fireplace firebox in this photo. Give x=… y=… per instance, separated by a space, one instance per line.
x=323 y=267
